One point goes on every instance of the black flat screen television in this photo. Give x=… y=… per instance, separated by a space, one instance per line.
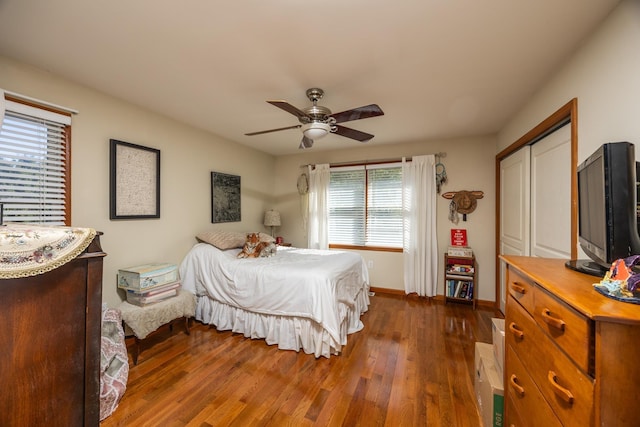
x=607 y=219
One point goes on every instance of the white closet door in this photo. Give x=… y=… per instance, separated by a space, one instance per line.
x=514 y=209
x=551 y=195
x=535 y=201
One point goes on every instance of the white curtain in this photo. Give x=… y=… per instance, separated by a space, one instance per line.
x=420 y=238
x=318 y=237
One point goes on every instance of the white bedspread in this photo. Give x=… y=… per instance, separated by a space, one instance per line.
x=329 y=288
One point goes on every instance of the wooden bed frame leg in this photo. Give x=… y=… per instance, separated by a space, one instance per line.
x=186 y=326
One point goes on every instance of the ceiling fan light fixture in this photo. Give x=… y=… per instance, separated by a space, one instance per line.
x=315 y=130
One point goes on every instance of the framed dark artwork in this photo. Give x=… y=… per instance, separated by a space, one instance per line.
x=134 y=181
x=225 y=197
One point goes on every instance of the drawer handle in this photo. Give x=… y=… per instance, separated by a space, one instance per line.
x=517 y=287
x=515 y=331
x=514 y=383
x=552 y=321
x=562 y=392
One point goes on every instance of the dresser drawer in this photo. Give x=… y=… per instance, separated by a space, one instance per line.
x=524 y=398
x=566 y=388
x=512 y=417
x=521 y=288
x=570 y=330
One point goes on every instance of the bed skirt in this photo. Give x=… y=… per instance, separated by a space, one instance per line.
x=288 y=332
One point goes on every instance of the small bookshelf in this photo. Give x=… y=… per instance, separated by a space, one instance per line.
x=460 y=279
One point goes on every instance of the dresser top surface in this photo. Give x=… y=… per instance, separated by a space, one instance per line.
x=574 y=288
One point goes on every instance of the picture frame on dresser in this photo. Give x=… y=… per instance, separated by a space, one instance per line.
x=134 y=181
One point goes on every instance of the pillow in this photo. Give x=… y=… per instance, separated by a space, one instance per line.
x=222 y=239
x=264 y=237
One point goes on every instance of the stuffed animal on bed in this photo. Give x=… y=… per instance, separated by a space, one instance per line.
x=254 y=248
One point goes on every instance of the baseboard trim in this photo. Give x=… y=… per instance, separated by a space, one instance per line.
x=479 y=303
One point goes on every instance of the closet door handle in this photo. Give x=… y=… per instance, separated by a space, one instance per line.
x=515 y=331
x=560 y=391
x=517 y=387
x=552 y=321
x=517 y=287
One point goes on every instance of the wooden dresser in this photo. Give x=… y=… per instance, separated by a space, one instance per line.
x=572 y=354
x=50 y=344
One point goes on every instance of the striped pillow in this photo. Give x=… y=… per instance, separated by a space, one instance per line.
x=222 y=239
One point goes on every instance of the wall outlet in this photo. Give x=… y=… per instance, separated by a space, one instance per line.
x=370 y=264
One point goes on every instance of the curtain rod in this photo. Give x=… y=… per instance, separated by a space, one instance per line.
x=371 y=162
x=39 y=102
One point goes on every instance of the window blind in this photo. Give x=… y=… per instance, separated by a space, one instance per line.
x=384 y=207
x=33 y=165
x=347 y=206
x=365 y=206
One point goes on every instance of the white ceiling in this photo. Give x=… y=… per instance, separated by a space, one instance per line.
x=437 y=68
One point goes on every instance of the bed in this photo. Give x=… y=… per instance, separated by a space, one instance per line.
x=299 y=299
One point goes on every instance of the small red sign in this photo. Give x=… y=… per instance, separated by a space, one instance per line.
x=458 y=237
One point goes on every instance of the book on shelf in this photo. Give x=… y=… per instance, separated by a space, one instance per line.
x=460 y=251
x=460 y=269
x=451 y=287
x=463 y=290
x=458 y=289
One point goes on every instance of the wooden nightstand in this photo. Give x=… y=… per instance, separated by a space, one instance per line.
x=285 y=244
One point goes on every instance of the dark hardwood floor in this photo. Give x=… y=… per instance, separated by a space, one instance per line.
x=411 y=365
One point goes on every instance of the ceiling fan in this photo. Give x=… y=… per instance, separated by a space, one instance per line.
x=317 y=121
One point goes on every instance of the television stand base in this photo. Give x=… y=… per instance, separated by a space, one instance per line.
x=586 y=266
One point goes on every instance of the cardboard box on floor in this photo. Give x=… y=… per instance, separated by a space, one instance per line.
x=497 y=328
x=488 y=387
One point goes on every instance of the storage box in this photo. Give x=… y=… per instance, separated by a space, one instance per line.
x=497 y=328
x=143 y=300
x=147 y=276
x=460 y=251
x=483 y=351
x=489 y=388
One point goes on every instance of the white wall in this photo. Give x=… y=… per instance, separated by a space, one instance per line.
x=470 y=165
x=188 y=156
x=604 y=75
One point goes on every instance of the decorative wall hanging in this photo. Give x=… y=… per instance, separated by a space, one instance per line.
x=441 y=172
x=134 y=181
x=303 y=184
x=225 y=198
x=462 y=202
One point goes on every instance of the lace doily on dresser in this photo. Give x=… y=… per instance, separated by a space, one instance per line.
x=28 y=250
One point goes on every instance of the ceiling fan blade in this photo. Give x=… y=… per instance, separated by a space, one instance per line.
x=358 y=113
x=353 y=134
x=284 y=105
x=272 y=130
x=305 y=143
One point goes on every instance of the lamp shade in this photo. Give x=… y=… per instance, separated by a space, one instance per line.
x=272 y=218
x=315 y=130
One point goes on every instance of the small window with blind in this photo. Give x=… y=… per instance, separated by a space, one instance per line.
x=365 y=206
x=34 y=165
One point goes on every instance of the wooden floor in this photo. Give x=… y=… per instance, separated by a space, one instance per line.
x=411 y=365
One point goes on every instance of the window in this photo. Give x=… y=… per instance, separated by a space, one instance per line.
x=34 y=165
x=365 y=206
